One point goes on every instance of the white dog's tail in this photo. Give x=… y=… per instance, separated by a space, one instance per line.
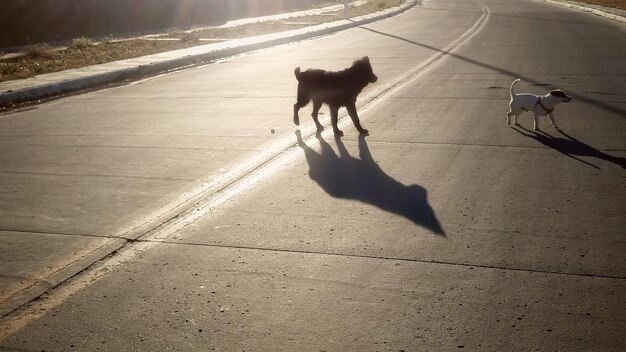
x=513 y=87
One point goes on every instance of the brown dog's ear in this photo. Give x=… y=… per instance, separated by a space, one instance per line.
x=365 y=59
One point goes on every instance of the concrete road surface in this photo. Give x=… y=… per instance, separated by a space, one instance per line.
x=445 y=229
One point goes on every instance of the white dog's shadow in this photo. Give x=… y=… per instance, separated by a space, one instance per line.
x=570 y=146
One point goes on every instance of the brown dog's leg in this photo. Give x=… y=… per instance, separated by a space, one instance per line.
x=355 y=119
x=316 y=109
x=296 y=118
x=334 y=117
x=302 y=100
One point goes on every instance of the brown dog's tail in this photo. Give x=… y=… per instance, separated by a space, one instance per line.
x=297 y=73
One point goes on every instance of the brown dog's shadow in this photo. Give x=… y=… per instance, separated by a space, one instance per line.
x=346 y=177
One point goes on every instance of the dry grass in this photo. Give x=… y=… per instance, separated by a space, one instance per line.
x=42 y=51
x=81 y=43
x=84 y=52
x=79 y=56
x=383 y=4
x=242 y=31
x=618 y=4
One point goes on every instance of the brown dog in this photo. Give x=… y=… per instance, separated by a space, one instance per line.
x=336 y=89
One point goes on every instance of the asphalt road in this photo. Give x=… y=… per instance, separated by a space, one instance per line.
x=443 y=229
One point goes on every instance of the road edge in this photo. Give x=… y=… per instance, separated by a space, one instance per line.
x=599 y=10
x=157 y=64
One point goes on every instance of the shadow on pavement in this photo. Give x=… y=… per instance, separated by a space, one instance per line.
x=570 y=146
x=600 y=104
x=343 y=176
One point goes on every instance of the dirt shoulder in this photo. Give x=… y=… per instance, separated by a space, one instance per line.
x=84 y=52
x=617 y=4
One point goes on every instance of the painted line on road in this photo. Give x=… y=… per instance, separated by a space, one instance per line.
x=288 y=150
x=44 y=275
x=197 y=203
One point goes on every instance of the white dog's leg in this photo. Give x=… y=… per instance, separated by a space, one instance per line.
x=511 y=117
x=553 y=122
x=535 y=122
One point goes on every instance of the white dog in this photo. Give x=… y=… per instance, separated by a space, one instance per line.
x=537 y=104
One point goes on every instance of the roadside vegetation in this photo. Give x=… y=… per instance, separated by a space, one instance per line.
x=27 y=22
x=617 y=4
x=83 y=51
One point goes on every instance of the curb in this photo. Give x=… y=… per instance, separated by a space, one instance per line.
x=157 y=63
x=582 y=7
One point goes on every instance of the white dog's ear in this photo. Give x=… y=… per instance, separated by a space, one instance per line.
x=558 y=93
